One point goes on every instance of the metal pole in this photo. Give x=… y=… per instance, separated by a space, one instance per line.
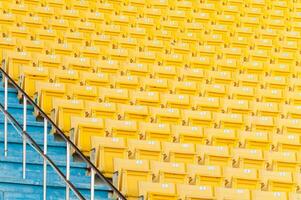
x=5 y=118
x=45 y=162
x=92 y=183
x=23 y=135
x=68 y=170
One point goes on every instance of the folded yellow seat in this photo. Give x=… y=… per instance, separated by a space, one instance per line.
x=60 y=25
x=156 y=191
x=278 y=181
x=262 y=123
x=221 y=77
x=156 y=85
x=221 y=137
x=231 y=121
x=69 y=77
x=84 y=129
x=63 y=110
x=29 y=77
x=268 y=109
x=165 y=72
x=198 y=118
x=78 y=64
x=51 y=61
x=136 y=69
x=208 y=175
x=255 y=140
x=126 y=82
x=201 y=62
x=289 y=126
x=61 y=49
x=7 y=18
x=238 y=106
x=254 y=67
x=283 y=161
x=100 y=40
x=19 y=9
x=128 y=174
x=263 y=44
x=214 y=90
x=295 y=84
x=114 y=95
x=33 y=46
x=190 y=192
x=286 y=142
x=95 y=79
x=74 y=38
x=129 y=43
x=291 y=111
x=179 y=152
x=272 y=195
x=207 y=53
x=294 y=98
x=213 y=104
x=145 y=150
x=107 y=66
x=88 y=93
x=188 y=134
x=70 y=14
x=146 y=98
x=271 y=95
x=155 y=131
x=248 y=158
x=134 y=112
x=179 y=101
x=214 y=155
x=7 y=44
x=124 y=129
x=101 y=110
x=166 y=115
x=14 y=60
x=232 y=193
x=105 y=150
x=45 y=92
x=242 y=178
x=169 y=172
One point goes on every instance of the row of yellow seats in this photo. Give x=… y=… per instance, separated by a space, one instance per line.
x=128 y=173
x=251 y=158
x=150 y=191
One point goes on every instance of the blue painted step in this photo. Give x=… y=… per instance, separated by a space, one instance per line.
x=12 y=185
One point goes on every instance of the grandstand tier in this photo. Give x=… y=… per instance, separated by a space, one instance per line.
x=170 y=99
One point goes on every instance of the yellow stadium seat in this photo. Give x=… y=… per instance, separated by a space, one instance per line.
x=239 y=42
x=45 y=93
x=197 y=192
x=294 y=98
x=295 y=196
x=267 y=109
x=74 y=38
x=248 y=158
x=165 y=72
x=188 y=134
x=155 y=45
x=166 y=115
x=156 y=85
x=169 y=172
x=295 y=84
x=107 y=66
x=128 y=175
x=179 y=152
x=258 y=195
x=69 y=77
x=63 y=110
x=291 y=111
x=214 y=155
x=125 y=129
x=146 y=98
x=62 y=49
x=271 y=95
x=196 y=75
x=100 y=40
x=278 y=181
x=248 y=80
x=207 y=103
x=214 y=90
x=103 y=110
x=127 y=82
x=255 y=140
x=198 y=118
x=14 y=60
x=290 y=126
x=232 y=193
x=185 y=87
x=7 y=43
x=133 y=112
x=88 y=93
x=282 y=161
x=209 y=175
x=221 y=77
x=264 y=123
x=95 y=79
x=29 y=77
x=147 y=57
x=227 y=65
x=19 y=9
x=250 y=22
x=44 y=12
x=231 y=121
x=145 y=150
x=263 y=44
x=82 y=131
x=288 y=46
x=221 y=137
x=137 y=69
x=242 y=178
x=206 y=51
x=253 y=67
x=238 y=106
x=286 y=143
x=91 y=52
x=50 y=61
x=156 y=131
x=201 y=62
x=180 y=101
x=114 y=95
x=105 y=150
x=259 y=55
x=156 y=191
x=268 y=34
x=7 y=18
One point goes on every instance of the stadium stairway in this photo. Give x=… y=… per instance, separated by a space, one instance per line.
x=12 y=184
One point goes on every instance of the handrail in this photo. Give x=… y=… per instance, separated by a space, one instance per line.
x=40 y=151
x=60 y=132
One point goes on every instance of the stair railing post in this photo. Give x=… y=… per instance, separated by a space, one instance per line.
x=23 y=135
x=45 y=161
x=92 y=183
x=5 y=117
x=67 y=170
